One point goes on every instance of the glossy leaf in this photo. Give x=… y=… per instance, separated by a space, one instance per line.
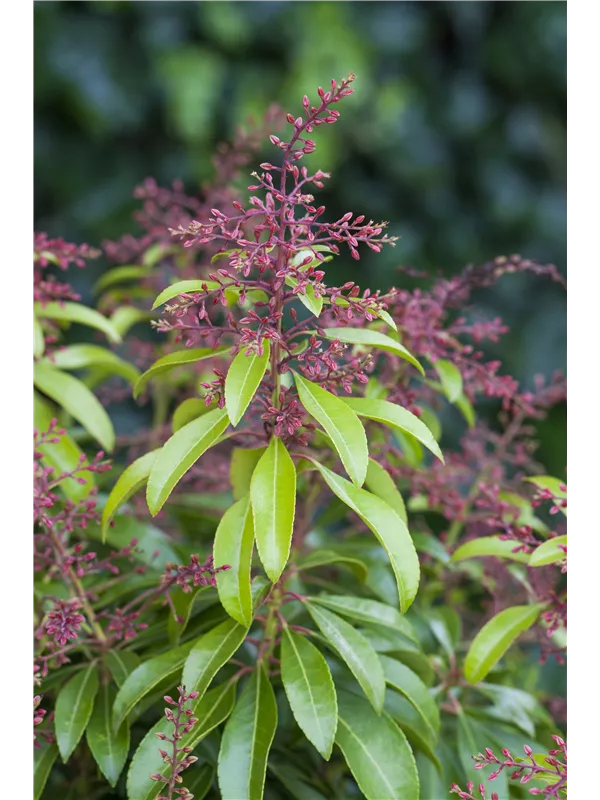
x=64 y=456
x=242 y=465
x=450 y=378
x=247 y=740
x=489 y=546
x=341 y=424
x=39 y=344
x=108 y=748
x=211 y=710
x=243 y=379
x=412 y=687
x=81 y=356
x=273 y=499
x=396 y=417
x=75 y=312
x=130 y=480
x=178 y=359
x=197 y=286
x=121 y=664
x=365 y=610
x=209 y=653
x=388 y=528
x=43 y=761
x=309 y=688
x=233 y=545
x=549 y=552
x=144 y=678
x=496 y=636
x=380 y=482
x=369 y=338
x=180 y=453
x=308 y=297
x=355 y=651
x=419 y=734
x=77 y=399
x=376 y=751
x=189 y=410
x=73 y=710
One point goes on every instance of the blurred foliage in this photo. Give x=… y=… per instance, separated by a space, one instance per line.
x=456 y=132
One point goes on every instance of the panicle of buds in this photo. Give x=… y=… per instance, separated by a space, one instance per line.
x=179 y=758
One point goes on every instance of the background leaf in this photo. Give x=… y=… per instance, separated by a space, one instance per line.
x=74 y=706
x=109 y=749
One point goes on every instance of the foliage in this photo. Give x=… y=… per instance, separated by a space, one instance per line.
x=354 y=651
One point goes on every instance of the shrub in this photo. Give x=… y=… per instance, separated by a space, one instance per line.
x=367 y=645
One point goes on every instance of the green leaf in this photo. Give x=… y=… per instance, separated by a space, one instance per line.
x=247 y=740
x=273 y=498
x=466 y=408
x=380 y=482
x=64 y=456
x=396 y=417
x=80 y=356
x=181 y=611
x=295 y=782
x=144 y=678
x=308 y=297
x=75 y=312
x=342 y=425
x=74 y=706
x=450 y=378
x=388 y=528
x=189 y=410
x=243 y=379
x=376 y=751
x=129 y=481
x=172 y=360
x=108 y=748
x=309 y=688
x=184 y=287
x=181 y=452
x=242 y=465
x=549 y=552
x=496 y=636
x=209 y=653
x=44 y=758
x=233 y=545
x=323 y=558
x=211 y=710
x=198 y=780
x=412 y=687
x=365 y=610
x=473 y=739
x=121 y=664
x=125 y=317
x=128 y=272
x=355 y=651
x=368 y=338
x=489 y=546
x=39 y=344
x=77 y=399
x=412 y=723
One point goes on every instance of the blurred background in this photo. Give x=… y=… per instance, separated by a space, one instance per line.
x=456 y=133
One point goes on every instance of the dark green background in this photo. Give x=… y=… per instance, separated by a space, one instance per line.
x=456 y=133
